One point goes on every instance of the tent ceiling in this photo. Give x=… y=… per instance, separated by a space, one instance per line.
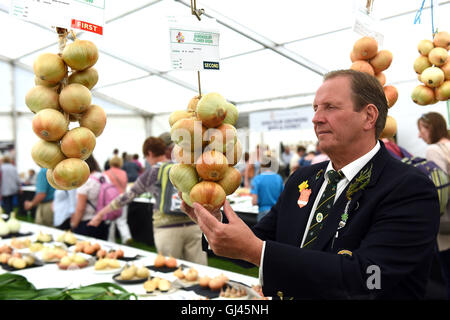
x=273 y=53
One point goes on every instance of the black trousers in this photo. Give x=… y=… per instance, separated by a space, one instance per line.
x=100 y=232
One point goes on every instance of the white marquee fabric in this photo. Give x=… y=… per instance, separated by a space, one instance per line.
x=272 y=56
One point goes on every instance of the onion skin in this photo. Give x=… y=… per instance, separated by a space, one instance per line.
x=209 y=194
x=231 y=180
x=52 y=182
x=211 y=165
x=184 y=156
x=211 y=109
x=178 y=115
x=222 y=138
x=49 y=67
x=49 y=124
x=232 y=114
x=87 y=78
x=47 y=154
x=78 y=143
x=80 y=54
x=71 y=173
x=183 y=177
x=94 y=119
x=234 y=155
x=192 y=105
x=187 y=198
x=75 y=98
x=188 y=134
x=42 y=97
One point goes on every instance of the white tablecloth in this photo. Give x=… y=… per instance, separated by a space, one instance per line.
x=50 y=276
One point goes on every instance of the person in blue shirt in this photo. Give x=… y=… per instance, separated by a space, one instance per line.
x=266 y=188
x=42 y=199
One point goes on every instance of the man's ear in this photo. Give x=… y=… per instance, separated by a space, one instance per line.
x=371 y=113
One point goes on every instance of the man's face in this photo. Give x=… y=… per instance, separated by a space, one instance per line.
x=336 y=124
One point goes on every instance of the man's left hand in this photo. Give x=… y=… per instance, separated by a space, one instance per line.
x=233 y=240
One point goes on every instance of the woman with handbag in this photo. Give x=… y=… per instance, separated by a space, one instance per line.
x=118 y=177
x=87 y=198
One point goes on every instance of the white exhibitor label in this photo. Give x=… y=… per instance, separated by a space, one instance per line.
x=366 y=25
x=194 y=46
x=86 y=15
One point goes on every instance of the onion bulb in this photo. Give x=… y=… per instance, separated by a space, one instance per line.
x=50 y=124
x=209 y=194
x=87 y=78
x=211 y=109
x=80 y=54
x=231 y=180
x=188 y=134
x=13 y=223
x=49 y=67
x=183 y=177
x=232 y=114
x=47 y=154
x=211 y=165
x=40 y=97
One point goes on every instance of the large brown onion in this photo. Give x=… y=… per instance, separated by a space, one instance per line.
x=185 y=156
x=80 y=54
x=87 y=78
x=192 y=105
x=49 y=124
x=188 y=134
x=234 y=155
x=75 y=98
x=209 y=194
x=71 y=173
x=183 y=177
x=232 y=114
x=41 y=97
x=78 y=143
x=49 y=67
x=221 y=138
x=52 y=182
x=179 y=114
x=211 y=109
x=211 y=165
x=47 y=154
x=94 y=119
x=231 y=180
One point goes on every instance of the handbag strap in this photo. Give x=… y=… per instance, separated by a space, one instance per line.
x=117 y=180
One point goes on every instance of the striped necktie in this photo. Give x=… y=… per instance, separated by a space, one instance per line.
x=324 y=207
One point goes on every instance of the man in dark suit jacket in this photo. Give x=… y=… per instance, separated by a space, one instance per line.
x=377 y=239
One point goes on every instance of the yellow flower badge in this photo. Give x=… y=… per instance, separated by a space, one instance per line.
x=304 y=194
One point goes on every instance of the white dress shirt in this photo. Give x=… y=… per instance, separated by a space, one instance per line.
x=350 y=171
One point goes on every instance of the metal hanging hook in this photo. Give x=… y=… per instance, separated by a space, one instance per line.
x=196 y=12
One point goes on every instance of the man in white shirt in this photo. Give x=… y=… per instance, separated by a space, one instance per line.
x=360 y=226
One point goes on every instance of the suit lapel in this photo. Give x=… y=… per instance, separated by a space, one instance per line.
x=331 y=224
x=302 y=214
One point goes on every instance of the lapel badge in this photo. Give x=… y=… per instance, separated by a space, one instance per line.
x=345 y=252
x=304 y=194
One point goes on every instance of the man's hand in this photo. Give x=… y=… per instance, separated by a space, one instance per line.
x=233 y=240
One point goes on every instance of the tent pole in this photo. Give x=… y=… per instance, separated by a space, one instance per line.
x=13 y=109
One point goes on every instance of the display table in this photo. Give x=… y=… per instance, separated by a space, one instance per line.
x=51 y=276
